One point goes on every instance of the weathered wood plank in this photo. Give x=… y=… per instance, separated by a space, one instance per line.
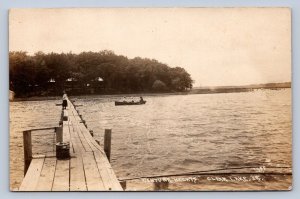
x=32 y=176
x=106 y=172
x=94 y=145
x=87 y=170
x=76 y=115
x=77 y=131
x=50 y=154
x=61 y=177
x=47 y=175
x=76 y=143
x=82 y=139
x=67 y=135
x=77 y=176
x=91 y=141
x=65 y=116
x=66 y=132
x=93 y=179
x=82 y=132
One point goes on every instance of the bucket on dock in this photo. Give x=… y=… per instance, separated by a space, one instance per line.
x=62 y=150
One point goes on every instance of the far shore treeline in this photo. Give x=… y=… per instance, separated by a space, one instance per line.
x=101 y=72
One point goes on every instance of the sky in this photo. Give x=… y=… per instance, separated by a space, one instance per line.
x=217 y=46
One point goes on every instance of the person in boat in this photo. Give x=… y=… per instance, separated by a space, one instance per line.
x=65 y=102
x=141 y=99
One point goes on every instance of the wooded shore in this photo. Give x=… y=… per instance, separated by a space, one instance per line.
x=199 y=90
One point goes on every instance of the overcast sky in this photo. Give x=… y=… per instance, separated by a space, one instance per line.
x=217 y=46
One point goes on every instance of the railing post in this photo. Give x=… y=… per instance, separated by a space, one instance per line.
x=159 y=186
x=123 y=184
x=59 y=134
x=27 y=150
x=107 y=143
x=65 y=115
x=84 y=123
x=92 y=133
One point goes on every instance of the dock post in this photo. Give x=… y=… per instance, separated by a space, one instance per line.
x=92 y=133
x=65 y=116
x=123 y=184
x=27 y=150
x=107 y=143
x=84 y=123
x=59 y=134
x=159 y=186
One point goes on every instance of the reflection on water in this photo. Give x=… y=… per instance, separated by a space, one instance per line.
x=177 y=133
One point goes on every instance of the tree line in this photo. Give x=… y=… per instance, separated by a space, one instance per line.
x=101 y=72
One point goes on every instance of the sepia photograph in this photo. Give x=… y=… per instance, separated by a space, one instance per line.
x=150 y=99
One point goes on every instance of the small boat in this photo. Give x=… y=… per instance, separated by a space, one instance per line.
x=118 y=103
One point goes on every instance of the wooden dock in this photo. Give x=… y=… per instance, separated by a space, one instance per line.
x=87 y=169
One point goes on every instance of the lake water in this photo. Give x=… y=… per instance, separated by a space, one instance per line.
x=173 y=134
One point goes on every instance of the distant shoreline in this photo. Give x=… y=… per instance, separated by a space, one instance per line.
x=211 y=90
x=42 y=98
x=237 y=89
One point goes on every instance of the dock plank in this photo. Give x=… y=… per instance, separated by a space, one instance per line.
x=91 y=141
x=86 y=136
x=31 y=179
x=47 y=175
x=76 y=131
x=107 y=173
x=93 y=178
x=66 y=131
x=84 y=142
x=67 y=135
x=77 y=176
x=77 y=144
x=61 y=178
